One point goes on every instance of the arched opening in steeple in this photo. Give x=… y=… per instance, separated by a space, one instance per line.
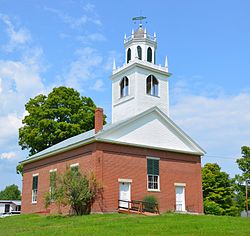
x=124 y=87
x=139 y=52
x=128 y=55
x=152 y=85
x=149 y=54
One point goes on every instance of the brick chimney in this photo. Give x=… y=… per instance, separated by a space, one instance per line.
x=98 y=119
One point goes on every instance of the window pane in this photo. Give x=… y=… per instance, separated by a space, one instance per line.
x=149 y=55
x=155 y=179
x=128 y=55
x=150 y=178
x=139 y=52
x=35 y=182
x=148 y=85
x=122 y=88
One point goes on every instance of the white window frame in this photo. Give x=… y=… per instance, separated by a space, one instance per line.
x=153 y=189
x=34 y=191
x=74 y=165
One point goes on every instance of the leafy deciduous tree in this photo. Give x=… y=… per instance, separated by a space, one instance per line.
x=244 y=166
x=11 y=192
x=218 y=193
x=54 y=118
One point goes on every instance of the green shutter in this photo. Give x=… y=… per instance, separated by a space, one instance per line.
x=35 y=182
x=153 y=166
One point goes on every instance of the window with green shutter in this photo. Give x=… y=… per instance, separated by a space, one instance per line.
x=153 y=166
x=153 y=173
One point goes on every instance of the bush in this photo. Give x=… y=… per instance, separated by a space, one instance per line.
x=149 y=203
x=212 y=208
x=76 y=190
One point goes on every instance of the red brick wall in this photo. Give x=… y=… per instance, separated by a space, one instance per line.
x=83 y=156
x=174 y=168
x=110 y=162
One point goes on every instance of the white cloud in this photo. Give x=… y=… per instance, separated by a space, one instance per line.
x=119 y=58
x=83 y=68
x=1 y=88
x=98 y=86
x=73 y=22
x=17 y=37
x=7 y=155
x=88 y=7
x=91 y=37
x=219 y=123
x=20 y=79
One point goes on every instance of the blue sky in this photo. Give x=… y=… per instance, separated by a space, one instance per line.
x=44 y=44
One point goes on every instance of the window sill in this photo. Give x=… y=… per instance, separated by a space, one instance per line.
x=154 y=190
x=153 y=95
x=33 y=203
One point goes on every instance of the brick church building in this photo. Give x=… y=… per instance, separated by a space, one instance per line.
x=141 y=152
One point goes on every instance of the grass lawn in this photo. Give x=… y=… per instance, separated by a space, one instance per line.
x=122 y=224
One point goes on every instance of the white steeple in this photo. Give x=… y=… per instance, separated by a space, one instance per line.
x=139 y=84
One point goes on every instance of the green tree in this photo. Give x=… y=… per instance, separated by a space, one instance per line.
x=244 y=166
x=11 y=192
x=54 y=118
x=76 y=190
x=239 y=190
x=218 y=192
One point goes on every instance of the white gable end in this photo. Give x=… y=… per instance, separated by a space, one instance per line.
x=152 y=130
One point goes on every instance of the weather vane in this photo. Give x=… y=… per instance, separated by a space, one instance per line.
x=140 y=19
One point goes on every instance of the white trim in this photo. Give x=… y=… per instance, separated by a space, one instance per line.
x=74 y=165
x=198 y=150
x=154 y=158
x=125 y=180
x=183 y=205
x=151 y=189
x=60 y=150
x=36 y=174
x=53 y=170
x=180 y=184
x=124 y=99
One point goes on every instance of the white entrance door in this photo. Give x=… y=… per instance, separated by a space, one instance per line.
x=124 y=194
x=180 y=198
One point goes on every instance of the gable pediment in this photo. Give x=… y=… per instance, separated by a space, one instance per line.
x=151 y=129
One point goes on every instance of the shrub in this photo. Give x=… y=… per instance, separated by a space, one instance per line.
x=150 y=202
x=76 y=190
x=212 y=208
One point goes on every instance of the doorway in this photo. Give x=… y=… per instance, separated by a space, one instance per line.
x=180 y=198
x=124 y=194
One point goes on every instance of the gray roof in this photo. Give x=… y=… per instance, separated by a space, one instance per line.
x=16 y=202
x=91 y=136
x=70 y=142
x=139 y=33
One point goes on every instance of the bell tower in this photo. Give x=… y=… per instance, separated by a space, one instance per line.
x=140 y=83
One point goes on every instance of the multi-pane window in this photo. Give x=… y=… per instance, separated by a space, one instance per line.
x=152 y=85
x=124 y=87
x=52 y=184
x=139 y=51
x=153 y=173
x=149 y=54
x=34 y=188
x=128 y=55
